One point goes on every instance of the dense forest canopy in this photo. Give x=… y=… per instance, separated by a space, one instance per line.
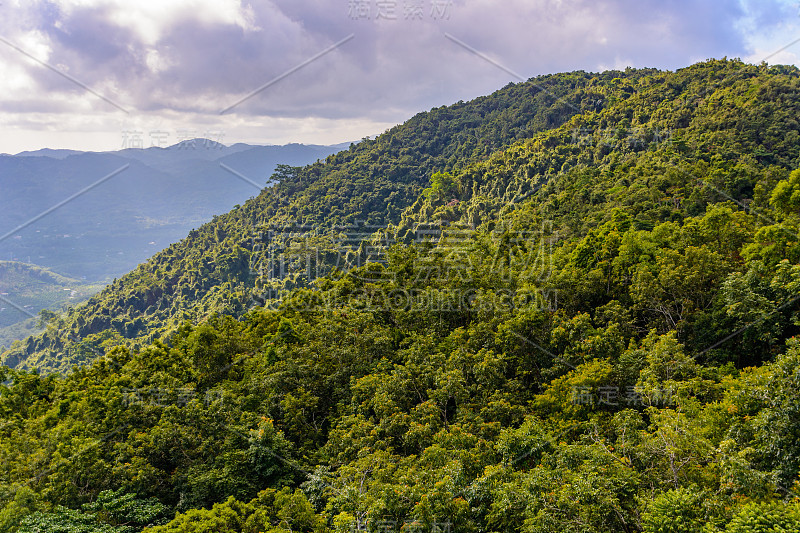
x=571 y=305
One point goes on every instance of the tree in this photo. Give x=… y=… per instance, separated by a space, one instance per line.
x=786 y=195
x=443 y=186
x=767 y=517
x=675 y=511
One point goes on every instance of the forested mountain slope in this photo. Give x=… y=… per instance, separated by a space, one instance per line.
x=592 y=329
x=210 y=271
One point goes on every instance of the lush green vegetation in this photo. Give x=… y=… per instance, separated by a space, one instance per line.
x=586 y=322
x=371 y=183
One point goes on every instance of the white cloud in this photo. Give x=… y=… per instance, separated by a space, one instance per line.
x=150 y=19
x=157 y=62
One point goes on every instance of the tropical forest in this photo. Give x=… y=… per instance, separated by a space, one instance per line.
x=572 y=305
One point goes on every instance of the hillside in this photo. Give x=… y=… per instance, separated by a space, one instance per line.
x=512 y=314
x=26 y=289
x=369 y=184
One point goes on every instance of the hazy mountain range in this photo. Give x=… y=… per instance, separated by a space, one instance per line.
x=91 y=216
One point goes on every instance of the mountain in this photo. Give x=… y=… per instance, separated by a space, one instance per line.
x=116 y=209
x=155 y=198
x=571 y=305
x=47 y=152
x=370 y=184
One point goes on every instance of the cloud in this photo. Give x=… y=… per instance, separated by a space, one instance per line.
x=193 y=58
x=151 y=19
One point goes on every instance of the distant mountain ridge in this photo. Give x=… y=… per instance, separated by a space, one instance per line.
x=157 y=196
x=47 y=152
x=156 y=199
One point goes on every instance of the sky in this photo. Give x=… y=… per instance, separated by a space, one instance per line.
x=109 y=74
